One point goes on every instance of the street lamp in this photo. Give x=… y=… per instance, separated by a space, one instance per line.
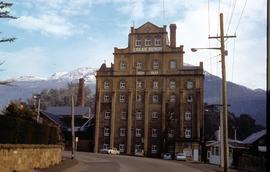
x=223 y=120
x=196 y=49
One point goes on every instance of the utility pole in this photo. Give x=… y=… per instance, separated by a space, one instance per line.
x=72 y=127
x=224 y=95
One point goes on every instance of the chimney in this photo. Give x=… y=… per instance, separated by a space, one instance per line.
x=173 y=35
x=80 y=98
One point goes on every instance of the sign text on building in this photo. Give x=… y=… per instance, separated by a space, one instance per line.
x=147 y=49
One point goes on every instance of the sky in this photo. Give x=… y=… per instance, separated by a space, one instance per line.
x=63 y=35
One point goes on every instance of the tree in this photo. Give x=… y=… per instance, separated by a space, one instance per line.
x=4 y=13
x=19 y=110
x=61 y=97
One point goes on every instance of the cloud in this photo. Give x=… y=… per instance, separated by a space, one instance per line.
x=46 y=24
x=250 y=48
x=27 y=61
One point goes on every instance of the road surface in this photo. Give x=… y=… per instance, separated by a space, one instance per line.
x=120 y=163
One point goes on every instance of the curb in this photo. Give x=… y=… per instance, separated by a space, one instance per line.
x=66 y=165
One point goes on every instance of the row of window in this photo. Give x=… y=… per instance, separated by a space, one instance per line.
x=155 y=65
x=155 y=84
x=148 y=42
x=139 y=115
x=139 y=98
x=138 y=132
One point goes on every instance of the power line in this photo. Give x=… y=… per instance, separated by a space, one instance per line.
x=231 y=16
x=241 y=16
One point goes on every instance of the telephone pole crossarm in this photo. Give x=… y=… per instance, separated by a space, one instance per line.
x=217 y=37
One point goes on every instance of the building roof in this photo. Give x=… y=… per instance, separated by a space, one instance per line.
x=232 y=144
x=55 y=119
x=66 y=110
x=254 y=137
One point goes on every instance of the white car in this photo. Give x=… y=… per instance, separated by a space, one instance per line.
x=113 y=151
x=167 y=156
x=181 y=157
x=139 y=153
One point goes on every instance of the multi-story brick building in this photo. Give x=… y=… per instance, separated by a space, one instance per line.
x=148 y=99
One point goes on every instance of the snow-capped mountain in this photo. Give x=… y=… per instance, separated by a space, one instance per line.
x=87 y=73
x=241 y=98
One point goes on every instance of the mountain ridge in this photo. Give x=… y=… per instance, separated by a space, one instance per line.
x=241 y=98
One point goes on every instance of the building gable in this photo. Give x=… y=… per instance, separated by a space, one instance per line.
x=148 y=27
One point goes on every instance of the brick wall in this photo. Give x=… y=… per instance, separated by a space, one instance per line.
x=25 y=157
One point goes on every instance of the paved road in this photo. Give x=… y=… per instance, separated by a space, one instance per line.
x=120 y=163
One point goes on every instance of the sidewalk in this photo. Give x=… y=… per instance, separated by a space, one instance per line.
x=206 y=167
x=65 y=165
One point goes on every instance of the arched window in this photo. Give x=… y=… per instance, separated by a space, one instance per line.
x=122 y=84
x=172 y=84
x=123 y=65
x=106 y=84
x=155 y=65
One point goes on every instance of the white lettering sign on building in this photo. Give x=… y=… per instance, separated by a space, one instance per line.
x=147 y=49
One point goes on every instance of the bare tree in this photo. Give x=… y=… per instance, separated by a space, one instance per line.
x=4 y=13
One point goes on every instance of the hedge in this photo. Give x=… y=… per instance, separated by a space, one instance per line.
x=19 y=131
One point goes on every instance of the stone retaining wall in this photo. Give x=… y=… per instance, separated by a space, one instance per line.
x=24 y=157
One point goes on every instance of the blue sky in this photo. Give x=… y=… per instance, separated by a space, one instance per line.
x=62 y=35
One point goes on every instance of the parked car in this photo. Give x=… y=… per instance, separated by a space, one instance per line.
x=139 y=152
x=113 y=151
x=181 y=157
x=104 y=150
x=167 y=156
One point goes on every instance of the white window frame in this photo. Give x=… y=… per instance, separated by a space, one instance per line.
x=189 y=98
x=105 y=146
x=187 y=115
x=157 y=42
x=106 y=131
x=173 y=64
x=154 y=132
x=122 y=98
x=172 y=84
x=171 y=133
x=139 y=65
x=122 y=147
x=155 y=84
x=155 y=98
x=155 y=65
x=138 y=115
x=173 y=98
x=189 y=84
x=107 y=115
x=106 y=98
x=188 y=133
x=123 y=115
x=123 y=65
x=138 y=132
x=138 y=147
x=106 y=84
x=122 y=85
x=148 y=42
x=155 y=115
x=138 y=42
x=153 y=149
x=139 y=84
x=122 y=132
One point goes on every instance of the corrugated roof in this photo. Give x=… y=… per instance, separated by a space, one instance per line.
x=254 y=137
x=55 y=118
x=66 y=110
